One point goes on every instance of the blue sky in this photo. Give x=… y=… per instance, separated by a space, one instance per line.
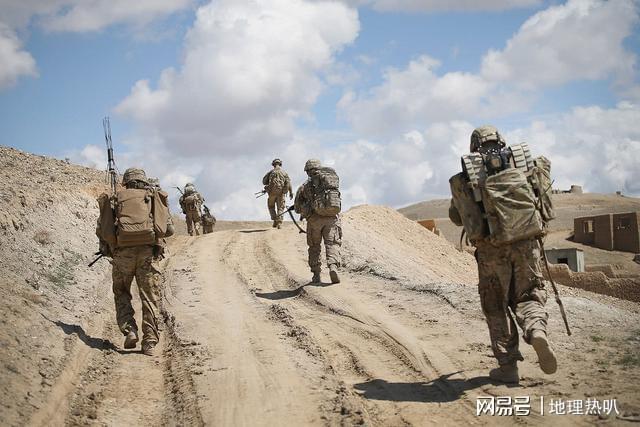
x=387 y=92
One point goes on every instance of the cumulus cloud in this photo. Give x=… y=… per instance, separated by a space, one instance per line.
x=582 y=39
x=443 y=6
x=416 y=96
x=83 y=15
x=250 y=71
x=555 y=46
x=15 y=61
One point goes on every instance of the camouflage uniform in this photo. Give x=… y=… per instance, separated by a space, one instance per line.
x=511 y=281
x=319 y=228
x=276 y=196
x=192 y=216
x=208 y=221
x=139 y=262
x=510 y=284
x=328 y=229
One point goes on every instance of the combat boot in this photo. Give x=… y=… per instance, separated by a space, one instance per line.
x=333 y=273
x=316 y=277
x=131 y=339
x=505 y=374
x=546 y=357
x=149 y=348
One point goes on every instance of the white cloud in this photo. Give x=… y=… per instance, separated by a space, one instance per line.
x=250 y=70
x=443 y=5
x=451 y=5
x=581 y=39
x=15 y=61
x=416 y=96
x=592 y=146
x=86 y=15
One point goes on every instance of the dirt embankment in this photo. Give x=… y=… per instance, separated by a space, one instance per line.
x=48 y=213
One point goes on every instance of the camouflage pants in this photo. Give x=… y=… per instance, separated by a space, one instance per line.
x=511 y=282
x=193 y=223
x=138 y=262
x=329 y=229
x=276 y=200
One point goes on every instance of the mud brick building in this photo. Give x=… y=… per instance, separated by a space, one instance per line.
x=620 y=232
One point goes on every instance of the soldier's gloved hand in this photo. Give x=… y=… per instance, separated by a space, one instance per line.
x=158 y=252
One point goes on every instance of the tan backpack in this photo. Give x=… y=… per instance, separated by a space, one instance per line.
x=277 y=181
x=106 y=230
x=510 y=207
x=469 y=209
x=134 y=217
x=191 y=202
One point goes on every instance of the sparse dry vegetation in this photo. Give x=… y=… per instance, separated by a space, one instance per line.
x=43 y=237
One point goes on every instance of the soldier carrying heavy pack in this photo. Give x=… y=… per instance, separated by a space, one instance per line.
x=502 y=200
x=208 y=221
x=276 y=184
x=131 y=228
x=191 y=202
x=318 y=200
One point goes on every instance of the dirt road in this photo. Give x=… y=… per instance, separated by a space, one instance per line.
x=248 y=341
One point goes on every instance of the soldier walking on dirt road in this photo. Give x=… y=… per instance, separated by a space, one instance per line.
x=132 y=226
x=191 y=203
x=504 y=211
x=318 y=200
x=277 y=184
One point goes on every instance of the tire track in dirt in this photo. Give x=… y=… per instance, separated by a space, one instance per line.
x=243 y=370
x=443 y=345
x=373 y=344
x=105 y=385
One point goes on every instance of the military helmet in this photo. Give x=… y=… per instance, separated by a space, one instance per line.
x=134 y=174
x=485 y=134
x=276 y=162
x=312 y=164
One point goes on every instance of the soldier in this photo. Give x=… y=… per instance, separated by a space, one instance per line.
x=503 y=226
x=208 y=221
x=277 y=184
x=318 y=200
x=131 y=229
x=191 y=202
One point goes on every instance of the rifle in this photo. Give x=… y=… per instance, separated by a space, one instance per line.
x=555 y=289
x=546 y=264
x=290 y=210
x=100 y=255
x=179 y=190
x=260 y=193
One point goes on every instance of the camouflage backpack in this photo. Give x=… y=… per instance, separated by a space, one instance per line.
x=277 y=181
x=511 y=208
x=506 y=206
x=191 y=202
x=324 y=186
